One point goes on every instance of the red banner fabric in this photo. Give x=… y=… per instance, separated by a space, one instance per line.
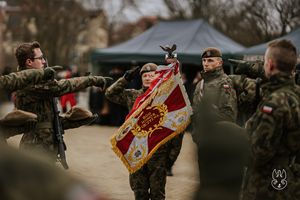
x=158 y=115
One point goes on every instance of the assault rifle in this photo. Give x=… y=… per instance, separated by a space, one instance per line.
x=58 y=133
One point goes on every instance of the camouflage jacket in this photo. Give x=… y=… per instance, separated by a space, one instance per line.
x=247 y=97
x=274 y=128
x=38 y=99
x=19 y=80
x=274 y=134
x=119 y=95
x=218 y=93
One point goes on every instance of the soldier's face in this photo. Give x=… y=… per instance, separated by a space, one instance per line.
x=37 y=62
x=148 y=77
x=211 y=63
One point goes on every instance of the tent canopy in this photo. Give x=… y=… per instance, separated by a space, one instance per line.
x=190 y=36
x=260 y=49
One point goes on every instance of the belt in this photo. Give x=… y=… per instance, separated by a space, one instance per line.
x=44 y=125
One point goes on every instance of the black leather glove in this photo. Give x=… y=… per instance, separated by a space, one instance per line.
x=130 y=74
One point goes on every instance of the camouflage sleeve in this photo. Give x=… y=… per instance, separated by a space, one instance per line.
x=19 y=80
x=237 y=81
x=64 y=86
x=245 y=89
x=265 y=128
x=227 y=104
x=257 y=70
x=197 y=95
x=117 y=92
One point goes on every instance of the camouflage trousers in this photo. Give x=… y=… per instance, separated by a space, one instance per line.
x=149 y=181
x=174 y=150
x=40 y=142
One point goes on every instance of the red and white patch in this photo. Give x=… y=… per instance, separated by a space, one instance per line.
x=226 y=86
x=267 y=109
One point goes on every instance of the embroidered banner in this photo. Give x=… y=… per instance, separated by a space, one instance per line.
x=158 y=115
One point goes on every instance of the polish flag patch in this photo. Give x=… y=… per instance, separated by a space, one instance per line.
x=226 y=86
x=267 y=109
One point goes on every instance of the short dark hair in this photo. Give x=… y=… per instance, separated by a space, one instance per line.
x=24 y=52
x=284 y=54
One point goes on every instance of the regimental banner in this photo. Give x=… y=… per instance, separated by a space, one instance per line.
x=158 y=115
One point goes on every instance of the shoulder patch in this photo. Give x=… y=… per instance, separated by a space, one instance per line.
x=267 y=109
x=226 y=86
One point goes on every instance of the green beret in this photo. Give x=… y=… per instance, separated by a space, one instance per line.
x=211 y=52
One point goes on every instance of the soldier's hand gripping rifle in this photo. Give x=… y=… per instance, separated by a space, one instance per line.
x=58 y=133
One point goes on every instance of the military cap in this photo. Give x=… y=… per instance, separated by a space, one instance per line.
x=211 y=52
x=148 y=67
x=17 y=118
x=77 y=113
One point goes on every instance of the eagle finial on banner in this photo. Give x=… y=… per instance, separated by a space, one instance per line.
x=170 y=50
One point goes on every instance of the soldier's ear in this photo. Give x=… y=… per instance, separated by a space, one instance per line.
x=28 y=62
x=271 y=64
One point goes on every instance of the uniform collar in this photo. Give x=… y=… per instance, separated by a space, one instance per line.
x=279 y=80
x=210 y=75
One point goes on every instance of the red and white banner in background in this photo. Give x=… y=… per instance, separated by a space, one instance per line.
x=158 y=115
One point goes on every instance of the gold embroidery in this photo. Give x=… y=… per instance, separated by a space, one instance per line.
x=150 y=120
x=166 y=86
x=136 y=154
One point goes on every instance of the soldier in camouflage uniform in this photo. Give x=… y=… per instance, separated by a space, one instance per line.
x=38 y=99
x=215 y=102
x=21 y=176
x=274 y=129
x=152 y=176
x=215 y=88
